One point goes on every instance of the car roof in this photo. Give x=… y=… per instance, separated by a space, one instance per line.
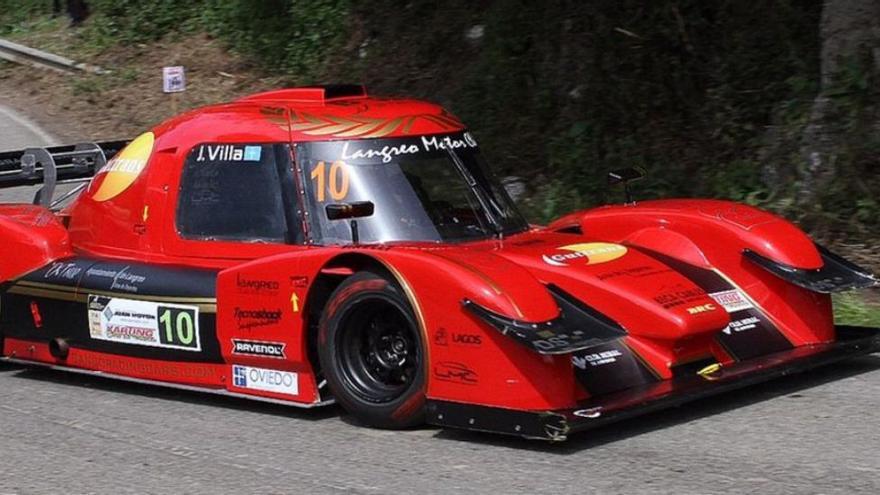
x=315 y=113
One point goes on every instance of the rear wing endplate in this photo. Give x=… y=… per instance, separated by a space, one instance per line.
x=56 y=165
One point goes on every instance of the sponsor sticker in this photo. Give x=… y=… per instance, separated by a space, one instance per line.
x=228 y=153
x=451 y=371
x=703 y=308
x=248 y=285
x=145 y=323
x=120 y=280
x=442 y=337
x=257 y=348
x=742 y=325
x=265 y=380
x=124 y=168
x=252 y=318
x=63 y=271
x=596 y=359
x=593 y=253
x=732 y=300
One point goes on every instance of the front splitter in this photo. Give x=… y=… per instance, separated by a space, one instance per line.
x=557 y=425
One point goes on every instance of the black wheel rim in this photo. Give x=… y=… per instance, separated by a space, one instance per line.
x=378 y=351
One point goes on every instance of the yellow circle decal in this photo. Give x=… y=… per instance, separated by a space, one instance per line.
x=593 y=252
x=125 y=167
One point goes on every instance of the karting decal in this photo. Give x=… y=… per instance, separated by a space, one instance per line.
x=260 y=349
x=264 y=380
x=593 y=253
x=450 y=371
x=732 y=300
x=124 y=168
x=144 y=323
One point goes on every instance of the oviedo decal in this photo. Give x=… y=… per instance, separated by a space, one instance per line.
x=593 y=253
x=265 y=380
x=145 y=323
x=124 y=168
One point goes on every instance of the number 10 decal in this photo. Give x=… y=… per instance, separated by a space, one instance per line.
x=178 y=326
x=337 y=178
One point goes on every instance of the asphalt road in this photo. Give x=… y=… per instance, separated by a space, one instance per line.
x=65 y=433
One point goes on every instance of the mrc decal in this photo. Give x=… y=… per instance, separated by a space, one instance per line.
x=124 y=168
x=591 y=253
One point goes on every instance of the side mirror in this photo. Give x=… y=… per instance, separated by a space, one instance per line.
x=342 y=211
x=625 y=176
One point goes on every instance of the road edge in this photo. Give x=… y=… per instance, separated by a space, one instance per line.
x=18 y=118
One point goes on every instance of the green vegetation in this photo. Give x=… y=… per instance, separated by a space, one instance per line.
x=851 y=309
x=711 y=97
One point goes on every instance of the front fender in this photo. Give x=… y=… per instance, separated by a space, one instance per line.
x=468 y=360
x=715 y=235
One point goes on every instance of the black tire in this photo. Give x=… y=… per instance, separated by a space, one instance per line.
x=372 y=352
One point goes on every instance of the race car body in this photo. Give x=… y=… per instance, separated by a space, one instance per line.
x=312 y=245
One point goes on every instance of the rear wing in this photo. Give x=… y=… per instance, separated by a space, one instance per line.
x=56 y=165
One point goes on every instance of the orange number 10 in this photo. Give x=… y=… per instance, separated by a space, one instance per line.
x=338 y=180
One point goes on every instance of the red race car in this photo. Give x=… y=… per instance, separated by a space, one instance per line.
x=312 y=245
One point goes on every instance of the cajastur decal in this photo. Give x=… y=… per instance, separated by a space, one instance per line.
x=593 y=253
x=124 y=168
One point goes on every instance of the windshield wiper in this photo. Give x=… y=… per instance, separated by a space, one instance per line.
x=484 y=201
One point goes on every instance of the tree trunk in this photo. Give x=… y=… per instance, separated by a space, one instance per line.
x=850 y=32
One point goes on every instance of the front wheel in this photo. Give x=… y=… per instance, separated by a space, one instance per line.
x=372 y=352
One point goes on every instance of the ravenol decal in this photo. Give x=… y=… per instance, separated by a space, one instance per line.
x=125 y=167
x=592 y=252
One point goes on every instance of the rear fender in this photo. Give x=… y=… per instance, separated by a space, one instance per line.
x=30 y=237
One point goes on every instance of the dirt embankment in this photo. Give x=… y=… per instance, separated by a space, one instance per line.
x=129 y=99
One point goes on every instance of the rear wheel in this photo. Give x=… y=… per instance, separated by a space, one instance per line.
x=372 y=352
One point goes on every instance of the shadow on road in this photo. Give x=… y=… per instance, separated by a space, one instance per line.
x=166 y=393
x=787 y=386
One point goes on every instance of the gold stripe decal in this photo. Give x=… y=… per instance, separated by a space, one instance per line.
x=68 y=293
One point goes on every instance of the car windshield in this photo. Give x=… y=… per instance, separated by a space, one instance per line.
x=428 y=188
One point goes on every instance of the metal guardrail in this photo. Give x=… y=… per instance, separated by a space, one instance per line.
x=21 y=54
